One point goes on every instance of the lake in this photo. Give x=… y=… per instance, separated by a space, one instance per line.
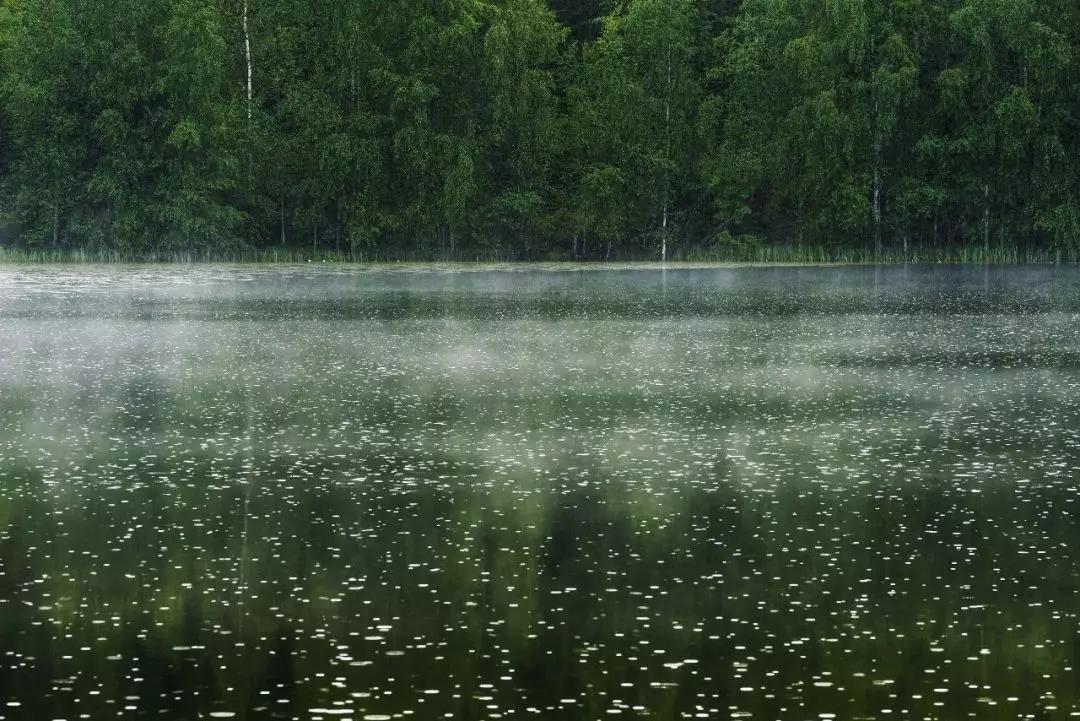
x=346 y=493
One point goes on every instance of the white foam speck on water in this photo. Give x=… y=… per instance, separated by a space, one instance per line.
x=380 y=494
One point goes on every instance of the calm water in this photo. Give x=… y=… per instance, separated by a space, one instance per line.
x=324 y=494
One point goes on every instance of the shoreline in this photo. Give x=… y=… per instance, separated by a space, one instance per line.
x=515 y=267
x=20 y=259
x=765 y=255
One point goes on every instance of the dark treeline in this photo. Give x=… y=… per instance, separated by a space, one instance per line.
x=523 y=129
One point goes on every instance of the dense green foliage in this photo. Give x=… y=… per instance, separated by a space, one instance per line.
x=517 y=129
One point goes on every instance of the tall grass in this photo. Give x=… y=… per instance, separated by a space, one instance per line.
x=249 y=255
x=975 y=255
x=762 y=254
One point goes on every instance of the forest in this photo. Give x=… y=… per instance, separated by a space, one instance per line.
x=541 y=129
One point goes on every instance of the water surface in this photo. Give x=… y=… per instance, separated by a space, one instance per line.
x=333 y=493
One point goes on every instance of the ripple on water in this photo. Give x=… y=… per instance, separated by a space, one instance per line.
x=343 y=493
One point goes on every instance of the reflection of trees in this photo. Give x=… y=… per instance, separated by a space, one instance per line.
x=534 y=574
x=558 y=533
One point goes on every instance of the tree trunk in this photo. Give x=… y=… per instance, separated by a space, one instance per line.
x=56 y=226
x=247 y=58
x=986 y=219
x=663 y=239
x=282 y=220
x=667 y=160
x=876 y=209
x=248 y=95
x=877 y=213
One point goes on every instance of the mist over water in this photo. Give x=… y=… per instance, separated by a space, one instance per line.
x=334 y=493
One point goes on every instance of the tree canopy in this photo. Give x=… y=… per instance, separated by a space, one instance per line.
x=539 y=128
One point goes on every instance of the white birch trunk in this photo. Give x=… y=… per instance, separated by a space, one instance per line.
x=247 y=58
x=663 y=240
x=877 y=212
x=667 y=161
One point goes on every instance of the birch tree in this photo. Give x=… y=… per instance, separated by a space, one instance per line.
x=637 y=107
x=520 y=47
x=1004 y=101
x=812 y=96
x=540 y=128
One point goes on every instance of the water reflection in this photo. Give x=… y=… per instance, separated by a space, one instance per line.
x=249 y=493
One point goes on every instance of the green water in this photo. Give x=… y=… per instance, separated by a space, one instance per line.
x=303 y=493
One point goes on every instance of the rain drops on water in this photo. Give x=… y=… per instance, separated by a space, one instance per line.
x=311 y=493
